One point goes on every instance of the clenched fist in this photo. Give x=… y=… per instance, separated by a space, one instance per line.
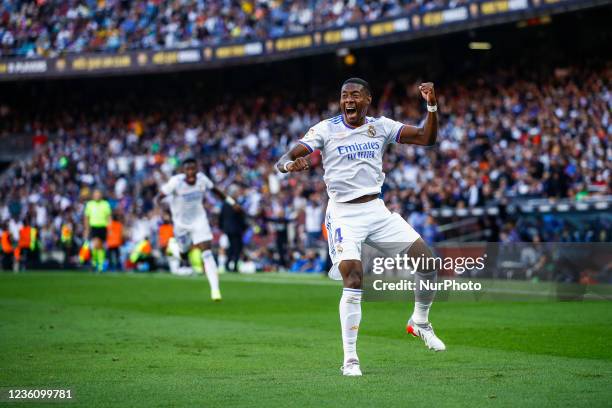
x=299 y=164
x=428 y=93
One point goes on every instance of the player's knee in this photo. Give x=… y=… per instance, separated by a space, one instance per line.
x=419 y=249
x=352 y=274
x=354 y=281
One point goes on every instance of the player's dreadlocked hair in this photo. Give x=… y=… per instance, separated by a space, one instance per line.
x=359 y=81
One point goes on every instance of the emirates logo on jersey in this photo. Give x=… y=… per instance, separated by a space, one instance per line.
x=371 y=131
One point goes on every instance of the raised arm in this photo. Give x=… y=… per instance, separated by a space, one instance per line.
x=294 y=159
x=427 y=134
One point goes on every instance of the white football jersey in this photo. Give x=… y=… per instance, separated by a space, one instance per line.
x=352 y=157
x=186 y=199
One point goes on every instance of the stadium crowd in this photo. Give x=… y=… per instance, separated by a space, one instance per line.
x=31 y=28
x=501 y=138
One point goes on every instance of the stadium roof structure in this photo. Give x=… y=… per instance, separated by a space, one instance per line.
x=400 y=28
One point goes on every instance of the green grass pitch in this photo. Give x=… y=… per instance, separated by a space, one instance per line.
x=154 y=340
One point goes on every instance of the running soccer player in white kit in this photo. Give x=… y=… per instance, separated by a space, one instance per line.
x=352 y=146
x=191 y=228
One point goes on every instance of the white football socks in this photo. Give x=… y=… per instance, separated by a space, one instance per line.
x=210 y=267
x=350 y=317
x=423 y=298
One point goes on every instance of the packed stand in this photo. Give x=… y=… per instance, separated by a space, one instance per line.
x=48 y=28
x=504 y=139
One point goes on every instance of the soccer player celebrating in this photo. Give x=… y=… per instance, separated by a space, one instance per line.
x=191 y=228
x=352 y=145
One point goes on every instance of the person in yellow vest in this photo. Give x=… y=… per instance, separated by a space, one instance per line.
x=28 y=236
x=142 y=256
x=97 y=216
x=6 y=244
x=67 y=242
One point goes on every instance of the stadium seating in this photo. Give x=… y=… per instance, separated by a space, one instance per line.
x=502 y=140
x=50 y=27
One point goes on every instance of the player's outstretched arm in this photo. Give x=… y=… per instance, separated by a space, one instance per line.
x=227 y=198
x=294 y=160
x=427 y=134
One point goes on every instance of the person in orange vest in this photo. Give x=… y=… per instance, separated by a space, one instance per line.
x=166 y=231
x=28 y=237
x=114 y=240
x=67 y=241
x=7 y=248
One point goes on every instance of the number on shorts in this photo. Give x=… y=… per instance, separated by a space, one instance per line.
x=338 y=235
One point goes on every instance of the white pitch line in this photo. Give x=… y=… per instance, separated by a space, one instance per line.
x=299 y=280
x=282 y=281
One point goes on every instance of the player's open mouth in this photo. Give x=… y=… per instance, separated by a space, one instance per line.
x=350 y=111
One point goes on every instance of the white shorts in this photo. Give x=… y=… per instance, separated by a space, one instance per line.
x=350 y=225
x=198 y=232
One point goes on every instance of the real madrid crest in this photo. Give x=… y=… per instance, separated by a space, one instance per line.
x=371 y=131
x=339 y=248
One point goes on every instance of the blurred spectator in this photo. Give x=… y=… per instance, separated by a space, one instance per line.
x=430 y=231
x=233 y=223
x=67 y=242
x=27 y=246
x=280 y=227
x=165 y=232
x=313 y=219
x=6 y=241
x=502 y=137
x=114 y=241
x=311 y=263
x=141 y=257
x=49 y=28
x=264 y=260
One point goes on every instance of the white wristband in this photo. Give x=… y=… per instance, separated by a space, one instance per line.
x=433 y=108
x=285 y=166
x=230 y=200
